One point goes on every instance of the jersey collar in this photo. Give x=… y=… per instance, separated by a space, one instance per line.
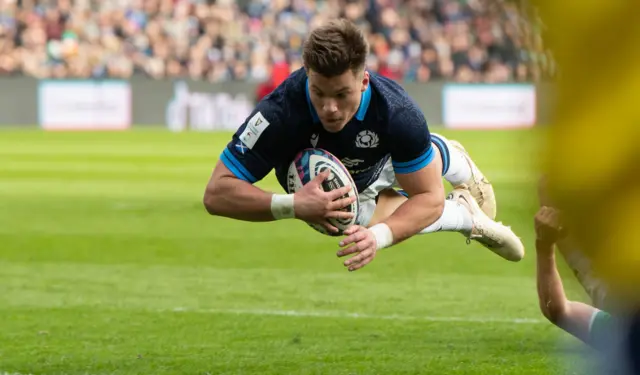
x=365 y=99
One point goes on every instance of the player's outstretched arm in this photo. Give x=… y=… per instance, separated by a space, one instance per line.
x=229 y=196
x=573 y=317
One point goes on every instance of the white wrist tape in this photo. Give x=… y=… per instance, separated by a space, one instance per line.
x=282 y=206
x=383 y=235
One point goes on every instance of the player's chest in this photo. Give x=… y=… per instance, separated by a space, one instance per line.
x=357 y=150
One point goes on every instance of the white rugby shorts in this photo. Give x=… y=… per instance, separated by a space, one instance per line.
x=367 y=199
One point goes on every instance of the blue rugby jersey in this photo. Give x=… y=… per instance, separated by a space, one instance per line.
x=388 y=124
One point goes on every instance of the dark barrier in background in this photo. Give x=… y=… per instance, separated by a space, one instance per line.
x=211 y=106
x=18 y=101
x=152 y=98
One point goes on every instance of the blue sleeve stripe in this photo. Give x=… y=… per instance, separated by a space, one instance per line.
x=427 y=154
x=234 y=165
x=444 y=151
x=415 y=164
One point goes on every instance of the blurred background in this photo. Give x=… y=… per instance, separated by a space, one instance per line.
x=166 y=54
x=258 y=40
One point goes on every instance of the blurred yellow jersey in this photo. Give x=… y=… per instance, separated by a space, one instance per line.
x=593 y=154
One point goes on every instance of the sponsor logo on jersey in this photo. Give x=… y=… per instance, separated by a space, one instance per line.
x=254 y=129
x=350 y=163
x=314 y=139
x=358 y=171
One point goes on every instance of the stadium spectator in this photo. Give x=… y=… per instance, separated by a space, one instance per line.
x=257 y=40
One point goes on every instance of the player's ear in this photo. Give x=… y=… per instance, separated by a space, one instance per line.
x=365 y=81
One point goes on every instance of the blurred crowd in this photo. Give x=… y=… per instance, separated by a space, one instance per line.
x=260 y=40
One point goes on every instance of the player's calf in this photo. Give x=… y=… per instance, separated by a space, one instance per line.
x=462 y=173
x=461 y=214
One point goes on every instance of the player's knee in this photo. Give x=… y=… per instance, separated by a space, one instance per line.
x=436 y=204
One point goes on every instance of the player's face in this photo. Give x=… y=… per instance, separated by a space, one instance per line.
x=336 y=99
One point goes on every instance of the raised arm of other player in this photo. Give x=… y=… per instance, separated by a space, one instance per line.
x=576 y=318
x=252 y=153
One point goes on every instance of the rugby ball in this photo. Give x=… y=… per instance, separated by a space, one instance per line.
x=310 y=162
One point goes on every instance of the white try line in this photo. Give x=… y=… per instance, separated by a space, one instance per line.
x=346 y=315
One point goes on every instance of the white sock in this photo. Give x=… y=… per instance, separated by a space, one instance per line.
x=457 y=170
x=455 y=218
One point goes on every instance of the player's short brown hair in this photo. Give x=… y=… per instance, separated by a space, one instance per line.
x=333 y=48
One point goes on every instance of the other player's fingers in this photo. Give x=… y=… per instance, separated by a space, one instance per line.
x=544 y=212
x=551 y=220
x=544 y=217
x=339 y=215
x=537 y=220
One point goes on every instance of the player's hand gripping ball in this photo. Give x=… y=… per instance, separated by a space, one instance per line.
x=311 y=162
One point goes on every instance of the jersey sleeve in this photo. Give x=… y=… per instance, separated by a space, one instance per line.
x=602 y=329
x=410 y=140
x=254 y=149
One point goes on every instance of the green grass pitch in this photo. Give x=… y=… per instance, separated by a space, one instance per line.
x=109 y=264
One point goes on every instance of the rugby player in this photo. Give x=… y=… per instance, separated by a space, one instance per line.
x=379 y=134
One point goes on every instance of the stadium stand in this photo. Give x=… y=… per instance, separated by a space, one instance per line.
x=258 y=40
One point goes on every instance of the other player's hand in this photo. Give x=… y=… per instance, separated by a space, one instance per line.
x=313 y=205
x=548 y=225
x=362 y=242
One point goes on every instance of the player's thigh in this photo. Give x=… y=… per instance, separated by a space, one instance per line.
x=388 y=202
x=386 y=179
